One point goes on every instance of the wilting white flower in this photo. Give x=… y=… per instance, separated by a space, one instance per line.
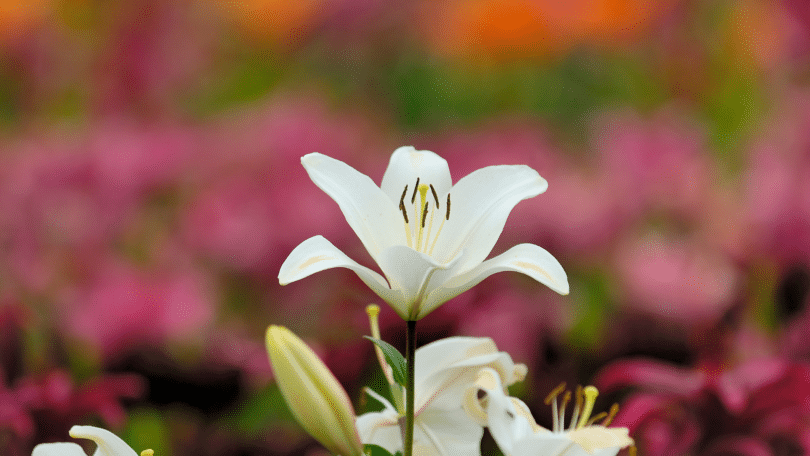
x=313 y=394
x=430 y=246
x=517 y=434
x=445 y=370
x=108 y=443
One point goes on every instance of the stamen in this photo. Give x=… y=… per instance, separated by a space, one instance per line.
x=415 y=187
x=555 y=416
x=404 y=211
x=424 y=214
x=552 y=399
x=614 y=409
x=565 y=401
x=632 y=450
x=402 y=198
x=373 y=312
x=447 y=217
x=149 y=452
x=596 y=418
x=435 y=196
x=590 y=393
x=577 y=408
x=556 y=391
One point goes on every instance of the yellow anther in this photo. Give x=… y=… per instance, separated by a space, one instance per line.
x=148 y=453
x=596 y=418
x=632 y=450
x=554 y=393
x=590 y=393
x=614 y=409
x=373 y=310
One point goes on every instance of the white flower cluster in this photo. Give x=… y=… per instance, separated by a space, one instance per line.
x=430 y=238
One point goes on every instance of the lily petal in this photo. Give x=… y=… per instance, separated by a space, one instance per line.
x=529 y=259
x=406 y=165
x=380 y=428
x=445 y=368
x=481 y=202
x=108 y=443
x=369 y=211
x=409 y=272
x=318 y=254
x=593 y=438
x=58 y=449
x=447 y=433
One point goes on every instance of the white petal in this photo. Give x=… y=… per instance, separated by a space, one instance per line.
x=108 y=443
x=480 y=204
x=595 y=438
x=380 y=428
x=58 y=449
x=371 y=214
x=447 y=433
x=506 y=422
x=409 y=272
x=317 y=254
x=548 y=444
x=528 y=259
x=406 y=165
x=446 y=368
x=444 y=353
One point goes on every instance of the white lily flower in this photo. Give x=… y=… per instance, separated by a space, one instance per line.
x=517 y=434
x=429 y=246
x=445 y=370
x=108 y=443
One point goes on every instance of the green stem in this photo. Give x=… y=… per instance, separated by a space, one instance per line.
x=410 y=355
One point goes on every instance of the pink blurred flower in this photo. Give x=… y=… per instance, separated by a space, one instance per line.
x=43 y=407
x=254 y=203
x=73 y=195
x=653 y=163
x=777 y=184
x=120 y=307
x=757 y=408
x=676 y=280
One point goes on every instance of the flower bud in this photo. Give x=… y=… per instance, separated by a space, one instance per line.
x=313 y=394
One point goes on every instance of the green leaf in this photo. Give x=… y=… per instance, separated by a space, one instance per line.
x=375 y=450
x=394 y=359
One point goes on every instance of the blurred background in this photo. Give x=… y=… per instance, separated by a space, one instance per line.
x=150 y=188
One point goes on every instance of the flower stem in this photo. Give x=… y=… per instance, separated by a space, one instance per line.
x=410 y=355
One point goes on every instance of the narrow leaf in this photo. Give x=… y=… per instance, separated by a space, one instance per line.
x=375 y=450
x=394 y=359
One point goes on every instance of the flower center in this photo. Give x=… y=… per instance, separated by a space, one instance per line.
x=419 y=215
x=583 y=406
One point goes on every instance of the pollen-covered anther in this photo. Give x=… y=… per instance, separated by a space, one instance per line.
x=614 y=409
x=583 y=407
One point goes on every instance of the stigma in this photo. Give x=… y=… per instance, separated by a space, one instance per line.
x=584 y=398
x=419 y=216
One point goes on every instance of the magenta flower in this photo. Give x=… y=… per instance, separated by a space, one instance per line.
x=757 y=408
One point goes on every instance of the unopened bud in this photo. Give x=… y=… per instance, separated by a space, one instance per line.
x=313 y=394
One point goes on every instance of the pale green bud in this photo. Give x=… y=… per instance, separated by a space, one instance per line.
x=313 y=394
